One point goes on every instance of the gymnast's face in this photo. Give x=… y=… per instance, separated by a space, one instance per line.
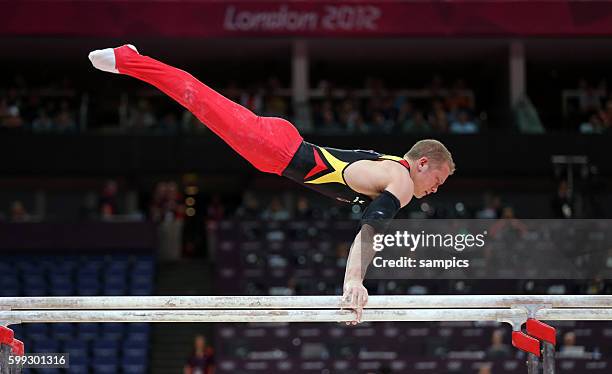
x=428 y=176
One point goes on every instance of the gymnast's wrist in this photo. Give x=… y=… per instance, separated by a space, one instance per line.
x=352 y=282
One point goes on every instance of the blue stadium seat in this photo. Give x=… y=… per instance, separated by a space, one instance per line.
x=88 y=331
x=134 y=365
x=62 y=331
x=60 y=278
x=120 y=258
x=141 y=290
x=29 y=267
x=6 y=266
x=115 y=290
x=34 y=285
x=115 y=283
x=136 y=349
x=45 y=346
x=88 y=287
x=35 y=291
x=144 y=328
x=117 y=266
x=37 y=331
x=141 y=276
x=62 y=290
x=33 y=279
x=9 y=284
x=75 y=368
x=137 y=336
x=105 y=365
x=144 y=262
x=87 y=271
x=93 y=261
x=105 y=348
x=49 y=371
x=76 y=348
x=67 y=266
x=113 y=331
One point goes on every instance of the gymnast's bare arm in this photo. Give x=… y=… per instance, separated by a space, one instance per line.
x=393 y=178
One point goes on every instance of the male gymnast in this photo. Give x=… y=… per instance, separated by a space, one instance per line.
x=273 y=145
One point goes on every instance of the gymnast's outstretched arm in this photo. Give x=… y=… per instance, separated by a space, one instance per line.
x=397 y=194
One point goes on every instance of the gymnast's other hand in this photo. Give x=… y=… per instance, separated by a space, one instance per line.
x=355 y=297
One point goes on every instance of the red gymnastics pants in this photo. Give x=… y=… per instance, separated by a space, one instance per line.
x=268 y=143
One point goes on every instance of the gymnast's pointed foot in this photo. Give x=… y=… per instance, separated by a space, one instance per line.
x=104 y=59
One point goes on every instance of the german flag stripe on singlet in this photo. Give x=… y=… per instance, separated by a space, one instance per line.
x=322 y=169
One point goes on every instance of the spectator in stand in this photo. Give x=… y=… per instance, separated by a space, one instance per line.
x=508 y=226
x=169 y=124
x=593 y=126
x=250 y=206
x=350 y=117
x=405 y=113
x=589 y=99
x=157 y=203
x=142 y=116
x=18 y=213
x=168 y=210
x=202 y=360
x=167 y=204
x=439 y=121
x=276 y=211
x=303 y=209
x=42 y=123
x=561 y=203
x=464 y=124
x=215 y=210
x=417 y=124
x=174 y=209
x=64 y=120
x=275 y=105
x=253 y=99
x=497 y=349
x=491 y=209
x=326 y=118
x=569 y=349
x=436 y=86
x=10 y=117
x=438 y=117
x=606 y=116
x=389 y=111
x=458 y=97
x=597 y=286
x=107 y=204
x=379 y=124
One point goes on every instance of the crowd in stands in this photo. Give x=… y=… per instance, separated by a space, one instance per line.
x=167 y=203
x=333 y=110
x=371 y=108
x=594 y=107
x=295 y=206
x=47 y=108
x=376 y=109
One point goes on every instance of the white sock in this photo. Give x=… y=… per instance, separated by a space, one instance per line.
x=104 y=59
